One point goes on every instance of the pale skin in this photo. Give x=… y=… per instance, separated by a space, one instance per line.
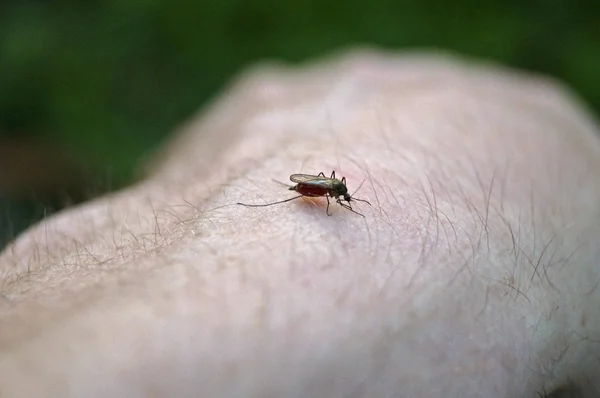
x=473 y=274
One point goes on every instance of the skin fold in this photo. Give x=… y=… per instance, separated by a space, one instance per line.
x=473 y=274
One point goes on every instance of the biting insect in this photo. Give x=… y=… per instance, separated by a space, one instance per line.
x=315 y=186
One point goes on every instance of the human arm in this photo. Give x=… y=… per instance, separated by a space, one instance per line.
x=473 y=274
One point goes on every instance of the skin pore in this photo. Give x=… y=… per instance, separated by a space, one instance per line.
x=474 y=272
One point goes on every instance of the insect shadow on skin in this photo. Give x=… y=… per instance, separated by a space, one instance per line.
x=316 y=186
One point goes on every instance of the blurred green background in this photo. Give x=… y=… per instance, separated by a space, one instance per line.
x=88 y=88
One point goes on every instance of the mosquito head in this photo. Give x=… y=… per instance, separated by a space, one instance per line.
x=349 y=198
x=340 y=189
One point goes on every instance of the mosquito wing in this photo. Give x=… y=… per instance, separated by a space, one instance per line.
x=310 y=179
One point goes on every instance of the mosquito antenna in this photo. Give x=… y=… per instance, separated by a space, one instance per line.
x=361 y=184
x=360 y=200
x=269 y=204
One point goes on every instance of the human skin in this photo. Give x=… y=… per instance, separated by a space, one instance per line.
x=473 y=274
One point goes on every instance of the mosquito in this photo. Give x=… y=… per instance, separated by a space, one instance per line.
x=315 y=186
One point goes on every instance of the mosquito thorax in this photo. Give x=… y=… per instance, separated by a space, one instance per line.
x=340 y=189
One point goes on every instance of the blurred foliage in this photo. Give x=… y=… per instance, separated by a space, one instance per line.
x=108 y=80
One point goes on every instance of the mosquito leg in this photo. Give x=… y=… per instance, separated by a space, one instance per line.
x=321 y=174
x=327 y=210
x=270 y=204
x=347 y=206
x=291 y=187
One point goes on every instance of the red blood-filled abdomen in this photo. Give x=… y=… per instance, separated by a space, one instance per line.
x=310 y=190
